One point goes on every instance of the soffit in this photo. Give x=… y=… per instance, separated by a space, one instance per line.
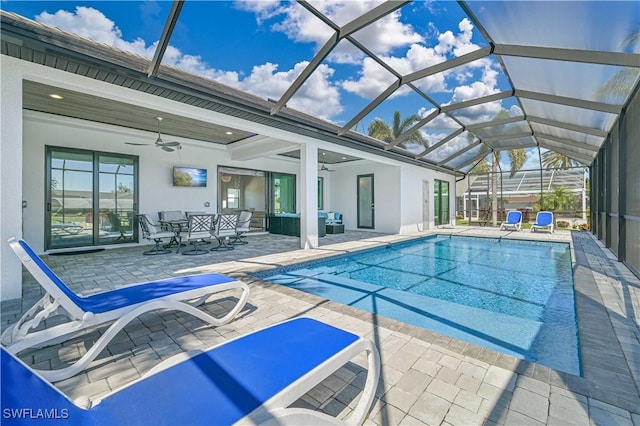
x=107 y=111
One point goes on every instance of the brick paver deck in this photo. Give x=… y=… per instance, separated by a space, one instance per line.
x=426 y=378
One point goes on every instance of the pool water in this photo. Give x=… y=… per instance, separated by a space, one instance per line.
x=512 y=296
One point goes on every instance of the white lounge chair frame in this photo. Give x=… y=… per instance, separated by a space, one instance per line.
x=22 y=335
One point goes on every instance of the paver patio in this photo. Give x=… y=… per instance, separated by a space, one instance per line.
x=426 y=378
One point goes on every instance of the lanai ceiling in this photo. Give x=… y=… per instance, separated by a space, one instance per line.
x=567 y=70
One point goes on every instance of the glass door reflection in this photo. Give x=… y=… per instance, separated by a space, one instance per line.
x=70 y=199
x=90 y=198
x=116 y=198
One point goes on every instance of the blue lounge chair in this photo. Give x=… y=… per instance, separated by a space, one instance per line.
x=251 y=380
x=119 y=306
x=513 y=222
x=544 y=221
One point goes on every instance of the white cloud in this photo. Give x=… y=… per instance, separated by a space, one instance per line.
x=372 y=80
x=318 y=96
x=448 y=149
x=91 y=23
x=419 y=57
x=382 y=36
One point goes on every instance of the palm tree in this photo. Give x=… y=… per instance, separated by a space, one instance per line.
x=555 y=160
x=560 y=198
x=620 y=84
x=380 y=130
x=517 y=158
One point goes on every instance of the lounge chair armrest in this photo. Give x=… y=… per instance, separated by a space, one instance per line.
x=270 y=414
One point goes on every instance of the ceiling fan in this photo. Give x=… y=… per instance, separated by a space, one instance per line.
x=324 y=167
x=166 y=146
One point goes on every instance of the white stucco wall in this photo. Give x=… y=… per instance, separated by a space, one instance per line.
x=397 y=194
x=344 y=194
x=412 y=198
x=10 y=176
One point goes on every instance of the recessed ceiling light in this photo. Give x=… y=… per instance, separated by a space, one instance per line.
x=343 y=158
x=228 y=133
x=56 y=96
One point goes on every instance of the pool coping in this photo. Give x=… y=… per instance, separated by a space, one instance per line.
x=605 y=375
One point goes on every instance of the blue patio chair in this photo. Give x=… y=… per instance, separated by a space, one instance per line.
x=513 y=222
x=249 y=380
x=544 y=221
x=119 y=306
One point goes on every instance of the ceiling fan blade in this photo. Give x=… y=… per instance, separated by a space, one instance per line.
x=171 y=143
x=137 y=144
x=166 y=148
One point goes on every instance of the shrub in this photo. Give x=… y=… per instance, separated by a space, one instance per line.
x=562 y=224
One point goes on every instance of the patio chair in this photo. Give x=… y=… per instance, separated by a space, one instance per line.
x=119 y=306
x=241 y=381
x=513 y=222
x=199 y=230
x=173 y=215
x=544 y=221
x=224 y=229
x=242 y=227
x=153 y=232
x=117 y=225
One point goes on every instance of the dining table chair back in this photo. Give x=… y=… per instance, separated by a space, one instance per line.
x=225 y=229
x=199 y=230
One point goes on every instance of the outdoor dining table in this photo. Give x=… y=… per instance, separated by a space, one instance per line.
x=176 y=225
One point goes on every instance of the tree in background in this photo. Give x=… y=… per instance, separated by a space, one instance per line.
x=619 y=85
x=555 y=160
x=379 y=129
x=560 y=198
x=517 y=158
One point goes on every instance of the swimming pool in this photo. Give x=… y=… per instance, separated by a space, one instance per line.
x=512 y=296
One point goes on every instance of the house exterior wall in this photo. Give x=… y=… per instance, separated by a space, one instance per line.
x=344 y=194
x=412 y=202
x=156 y=190
x=24 y=135
x=10 y=176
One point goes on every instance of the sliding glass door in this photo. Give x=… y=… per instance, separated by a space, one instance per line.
x=91 y=198
x=116 y=198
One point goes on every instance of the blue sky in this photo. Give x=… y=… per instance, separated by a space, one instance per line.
x=260 y=47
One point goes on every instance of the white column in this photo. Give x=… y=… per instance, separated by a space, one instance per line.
x=308 y=195
x=10 y=177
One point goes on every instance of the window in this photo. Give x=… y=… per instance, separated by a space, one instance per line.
x=233 y=198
